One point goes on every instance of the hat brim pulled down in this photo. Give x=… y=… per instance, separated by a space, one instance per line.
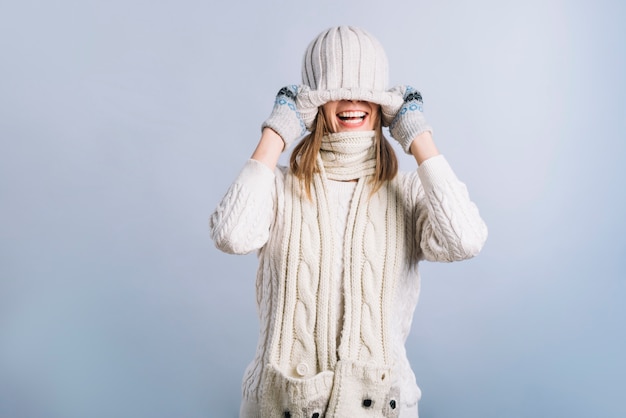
x=308 y=101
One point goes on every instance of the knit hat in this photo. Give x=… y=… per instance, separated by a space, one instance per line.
x=345 y=63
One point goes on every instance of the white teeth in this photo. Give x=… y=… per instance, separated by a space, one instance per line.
x=352 y=114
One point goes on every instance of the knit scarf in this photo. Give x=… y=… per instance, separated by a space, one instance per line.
x=348 y=155
x=303 y=338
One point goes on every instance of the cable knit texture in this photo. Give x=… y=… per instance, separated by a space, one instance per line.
x=299 y=366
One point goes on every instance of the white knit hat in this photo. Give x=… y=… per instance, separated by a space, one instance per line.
x=345 y=63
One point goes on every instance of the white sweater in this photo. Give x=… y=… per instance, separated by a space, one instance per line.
x=442 y=222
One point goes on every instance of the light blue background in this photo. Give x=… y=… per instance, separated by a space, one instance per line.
x=122 y=123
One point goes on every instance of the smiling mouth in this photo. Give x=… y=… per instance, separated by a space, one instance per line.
x=352 y=118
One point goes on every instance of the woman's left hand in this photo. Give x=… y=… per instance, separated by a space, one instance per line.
x=409 y=122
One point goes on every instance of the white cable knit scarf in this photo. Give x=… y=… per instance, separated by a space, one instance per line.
x=303 y=339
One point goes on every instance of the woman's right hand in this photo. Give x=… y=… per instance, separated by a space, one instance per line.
x=285 y=118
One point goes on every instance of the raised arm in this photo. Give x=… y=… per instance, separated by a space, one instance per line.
x=448 y=226
x=242 y=220
x=423 y=147
x=269 y=148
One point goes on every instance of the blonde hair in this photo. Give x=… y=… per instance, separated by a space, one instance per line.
x=303 y=161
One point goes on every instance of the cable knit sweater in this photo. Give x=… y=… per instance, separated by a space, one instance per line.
x=435 y=220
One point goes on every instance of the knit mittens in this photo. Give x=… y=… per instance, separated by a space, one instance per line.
x=409 y=121
x=292 y=114
x=285 y=118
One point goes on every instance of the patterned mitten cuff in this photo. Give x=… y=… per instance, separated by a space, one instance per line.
x=285 y=119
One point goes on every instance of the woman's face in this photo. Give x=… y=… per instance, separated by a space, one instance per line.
x=350 y=115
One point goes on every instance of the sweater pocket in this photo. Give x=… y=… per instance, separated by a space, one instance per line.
x=363 y=389
x=288 y=397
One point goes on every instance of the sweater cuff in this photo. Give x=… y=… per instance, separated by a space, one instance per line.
x=435 y=171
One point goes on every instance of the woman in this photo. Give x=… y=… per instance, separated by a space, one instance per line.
x=339 y=235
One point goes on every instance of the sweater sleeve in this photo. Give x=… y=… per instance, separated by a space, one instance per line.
x=448 y=224
x=241 y=222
